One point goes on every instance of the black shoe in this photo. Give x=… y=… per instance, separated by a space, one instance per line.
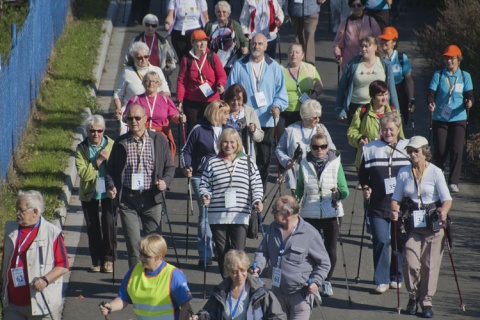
x=209 y=262
x=427 y=312
x=412 y=306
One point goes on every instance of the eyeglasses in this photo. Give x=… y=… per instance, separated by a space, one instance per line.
x=95 y=131
x=356 y=5
x=140 y=58
x=323 y=147
x=151 y=25
x=137 y=118
x=143 y=254
x=18 y=210
x=412 y=150
x=151 y=81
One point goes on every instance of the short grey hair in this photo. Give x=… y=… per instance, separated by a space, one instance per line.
x=389 y=117
x=94 y=120
x=150 y=18
x=310 y=108
x=33 y=200
x=136 y=47
x=223 y=4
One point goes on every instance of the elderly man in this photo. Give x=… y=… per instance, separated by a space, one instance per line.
x=160 y=52
x=296 y=254
x=264 y=82
x=139 y=170
x=35 y=260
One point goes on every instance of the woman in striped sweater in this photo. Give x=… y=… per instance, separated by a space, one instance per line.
x=230 y=186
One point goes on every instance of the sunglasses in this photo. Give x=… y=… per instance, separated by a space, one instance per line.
x=96 y=131
x=356 y=5
x=323 y=147
x=137 y=118
x=143 y=254
x=150 y=25
x=139 y=58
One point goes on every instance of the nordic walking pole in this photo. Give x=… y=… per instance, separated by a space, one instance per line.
x=338 y=73
x=445 y=231
x=395 y=238
x=113 y=242
x=205 y=254
x=189 y=198
x=169 y=226
x=365 y=204
x=353 y=210
x=430 y=129
x=413 y=122
x=317 y=298
x=46 y=304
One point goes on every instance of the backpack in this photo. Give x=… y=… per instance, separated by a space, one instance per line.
x=209 y=58
x=365 y=108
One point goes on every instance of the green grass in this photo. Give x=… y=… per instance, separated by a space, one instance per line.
x=45 y=147
x=11 y=14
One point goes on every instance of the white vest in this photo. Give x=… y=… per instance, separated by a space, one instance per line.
x=317 y=194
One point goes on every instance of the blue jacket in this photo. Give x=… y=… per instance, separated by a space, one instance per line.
x=345 y=87
x=272 y=84
x=199 y=147
x=305 y=9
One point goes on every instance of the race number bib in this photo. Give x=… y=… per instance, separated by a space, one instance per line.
x=260 y=99
x=276 y=277
x=230 y=198
x=206 y=89
x=446 y=112
x=18 y=277
x=390 y=185
x=100 y=185
x=419 y=219
x=304 y=97
x=138 y=182
x=458 y=87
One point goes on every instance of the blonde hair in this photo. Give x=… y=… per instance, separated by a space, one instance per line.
x=214 y=110
x=372 y=40
x=153 y=245
x=236 y=259
x=151 y=74
x=230 y=133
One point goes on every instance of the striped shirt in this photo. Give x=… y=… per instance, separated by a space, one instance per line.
x=139 y=160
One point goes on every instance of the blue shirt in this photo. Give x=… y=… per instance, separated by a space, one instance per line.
x=399 y=72
x=377 y=5
x=442 y=83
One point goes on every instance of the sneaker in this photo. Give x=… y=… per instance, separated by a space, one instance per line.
x=108 y=267
x=453 y=188
x=359 y=187
x=381 y=288
x=327 y=290
x=395 y=284
x=209 y=262
x=95 y=269
x=412 y=306
x=427 y=311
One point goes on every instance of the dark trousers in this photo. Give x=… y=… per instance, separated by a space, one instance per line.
x=102 y=235
x=272 y=48
x=304 y=29
x=449 y=138
x=181 y=44
x=139 y=9
x=330 y=230
x=228 y=237
x=381 y=16
x=352 y=108
x=264 y=153
x=402 y=101
x=289 y=117
x=193 y=111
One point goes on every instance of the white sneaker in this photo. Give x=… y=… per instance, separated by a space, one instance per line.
x=327 y=290
x=381 y=288
x=395 y=284
x=453 y=188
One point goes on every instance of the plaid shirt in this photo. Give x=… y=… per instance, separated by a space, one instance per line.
x=139 y=160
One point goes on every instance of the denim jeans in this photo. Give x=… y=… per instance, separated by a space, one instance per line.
x=201 y=223
x=383 y=261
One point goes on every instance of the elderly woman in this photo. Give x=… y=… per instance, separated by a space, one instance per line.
x=346 y=44
x=321 y=186
x=262 y=16
x=450 y=97
x=300 y=134
x=381 y=161
x=362 y=70
x=130 y=81
x=201 y=145
x=420 y=188
x=243 y=118
x=241 y=296
x=159 y=108
x=402 y=71
x=34 y=262
x=302 y=82
x=226 y=36
x=183 y=18
x=230 y=187
x=91 y=161
x=365 y=126
x=201 y=79
x=160 y=52
x=145 y=285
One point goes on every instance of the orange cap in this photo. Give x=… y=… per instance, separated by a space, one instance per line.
x=199 y=35
x=452 y=51
x=389 y=33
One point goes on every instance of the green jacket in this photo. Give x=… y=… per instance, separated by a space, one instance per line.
x=366 y=125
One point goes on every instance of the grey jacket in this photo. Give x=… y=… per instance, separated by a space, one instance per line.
x=304 y=257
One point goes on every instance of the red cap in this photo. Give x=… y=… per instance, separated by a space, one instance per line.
x=199 y=35
x=389 y=33
x=452 y=51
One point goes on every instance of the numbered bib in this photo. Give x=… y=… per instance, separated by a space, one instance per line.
x=18 y=277
x=100 y=185
x=390 y=185
x=206 y=89
x=304 y=97
x=419 y=219
x=138 y=182
x=396 y=68
x=458 y=87
x=276 y=277
x=446 y=112
x=260 y=99
x=230 y=198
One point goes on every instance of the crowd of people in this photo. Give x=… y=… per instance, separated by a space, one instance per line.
x=237 y=105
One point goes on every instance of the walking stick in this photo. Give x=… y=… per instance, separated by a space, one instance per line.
x=335 y=205
x=113 y=242
x=413 y=122
x=353 y=209
x=275 y=134
x=189 y=199
x=317 y=298
x=395 y=238
x=338 y=73
x=445 y=231
x=205 y=254
x=170 y=227
x=430 y=129
x=464 y=166
x=357 y=278
x=46 y=304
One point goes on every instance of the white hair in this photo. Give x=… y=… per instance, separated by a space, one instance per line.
x=223 y=4
x=136 y=47
x=95 y=120
x=150 y=18
x=310 y=108
x=33 y=200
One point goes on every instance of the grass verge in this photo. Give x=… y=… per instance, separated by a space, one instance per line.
x=11 y=13
x=44 y=149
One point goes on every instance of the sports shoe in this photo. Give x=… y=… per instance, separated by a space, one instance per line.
x=327 y=290
x=381 y=288
x=209 y=262
x=412 y=306
x=427 y=311
x=395 y=284
x=453 y=188
x=108 y=267
x=95 y=269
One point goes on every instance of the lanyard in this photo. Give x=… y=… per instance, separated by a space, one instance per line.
x=139 y=154
x=282 y=246
x=17 y=260
x=234 y=123
x=258 y=75
x=390 y=160
x=450 y=87
x=234 y=310
x=307 y=142
x=201 y=67
x=151 y=46
x=296 y=78
x=419 y=183
x=225 y=163
x=151 y=108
